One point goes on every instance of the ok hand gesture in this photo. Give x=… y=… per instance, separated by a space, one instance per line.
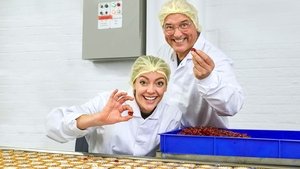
x=110 y=114
x=114 y=107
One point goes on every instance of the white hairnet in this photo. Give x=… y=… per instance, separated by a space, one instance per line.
x=182 y=7
x=145 y=64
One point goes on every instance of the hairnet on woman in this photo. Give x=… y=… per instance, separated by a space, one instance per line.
x=121 y=122
x=146 y=64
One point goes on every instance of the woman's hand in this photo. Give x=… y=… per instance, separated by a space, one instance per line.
x=203 y=64
x=110 y=114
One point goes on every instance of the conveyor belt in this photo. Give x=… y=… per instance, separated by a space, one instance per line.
x=11 y=158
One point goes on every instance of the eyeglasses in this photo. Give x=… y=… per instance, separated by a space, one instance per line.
x=183 y=27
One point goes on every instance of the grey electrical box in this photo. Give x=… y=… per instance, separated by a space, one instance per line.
x=113 y=29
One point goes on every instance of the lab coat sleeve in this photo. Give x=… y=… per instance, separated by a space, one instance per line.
x=221 y=89
x=61 y=124
x=175 y=121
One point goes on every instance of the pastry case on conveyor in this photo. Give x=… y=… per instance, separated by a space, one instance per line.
x=18 y=158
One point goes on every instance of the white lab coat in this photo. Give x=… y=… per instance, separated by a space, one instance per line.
x=204 y=102
x=137 y=137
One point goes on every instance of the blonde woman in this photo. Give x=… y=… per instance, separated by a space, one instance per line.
x=119 y=122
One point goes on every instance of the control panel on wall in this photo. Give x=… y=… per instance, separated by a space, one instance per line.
x=110 y=15
x=114 y=29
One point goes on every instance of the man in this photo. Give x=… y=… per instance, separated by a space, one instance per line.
x=202 y=84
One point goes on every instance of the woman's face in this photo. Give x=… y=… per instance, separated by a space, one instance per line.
x=149 y=90
x=180 y=33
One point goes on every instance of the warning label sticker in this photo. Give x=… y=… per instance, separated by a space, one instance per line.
x=110 y=14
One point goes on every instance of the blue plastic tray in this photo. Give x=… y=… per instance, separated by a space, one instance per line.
x=263 y=144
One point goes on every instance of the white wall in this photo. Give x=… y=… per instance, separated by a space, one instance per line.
x=41 y=68
x=263 y=38
x=41 y=65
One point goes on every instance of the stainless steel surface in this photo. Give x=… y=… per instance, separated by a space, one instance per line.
x=258 y=162
x=109 y=44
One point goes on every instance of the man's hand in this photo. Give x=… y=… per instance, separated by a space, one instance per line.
x=203 y=64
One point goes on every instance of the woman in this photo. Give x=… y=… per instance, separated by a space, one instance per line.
x=121 y=123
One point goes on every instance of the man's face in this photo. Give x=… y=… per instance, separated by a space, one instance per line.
x=180 y=33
